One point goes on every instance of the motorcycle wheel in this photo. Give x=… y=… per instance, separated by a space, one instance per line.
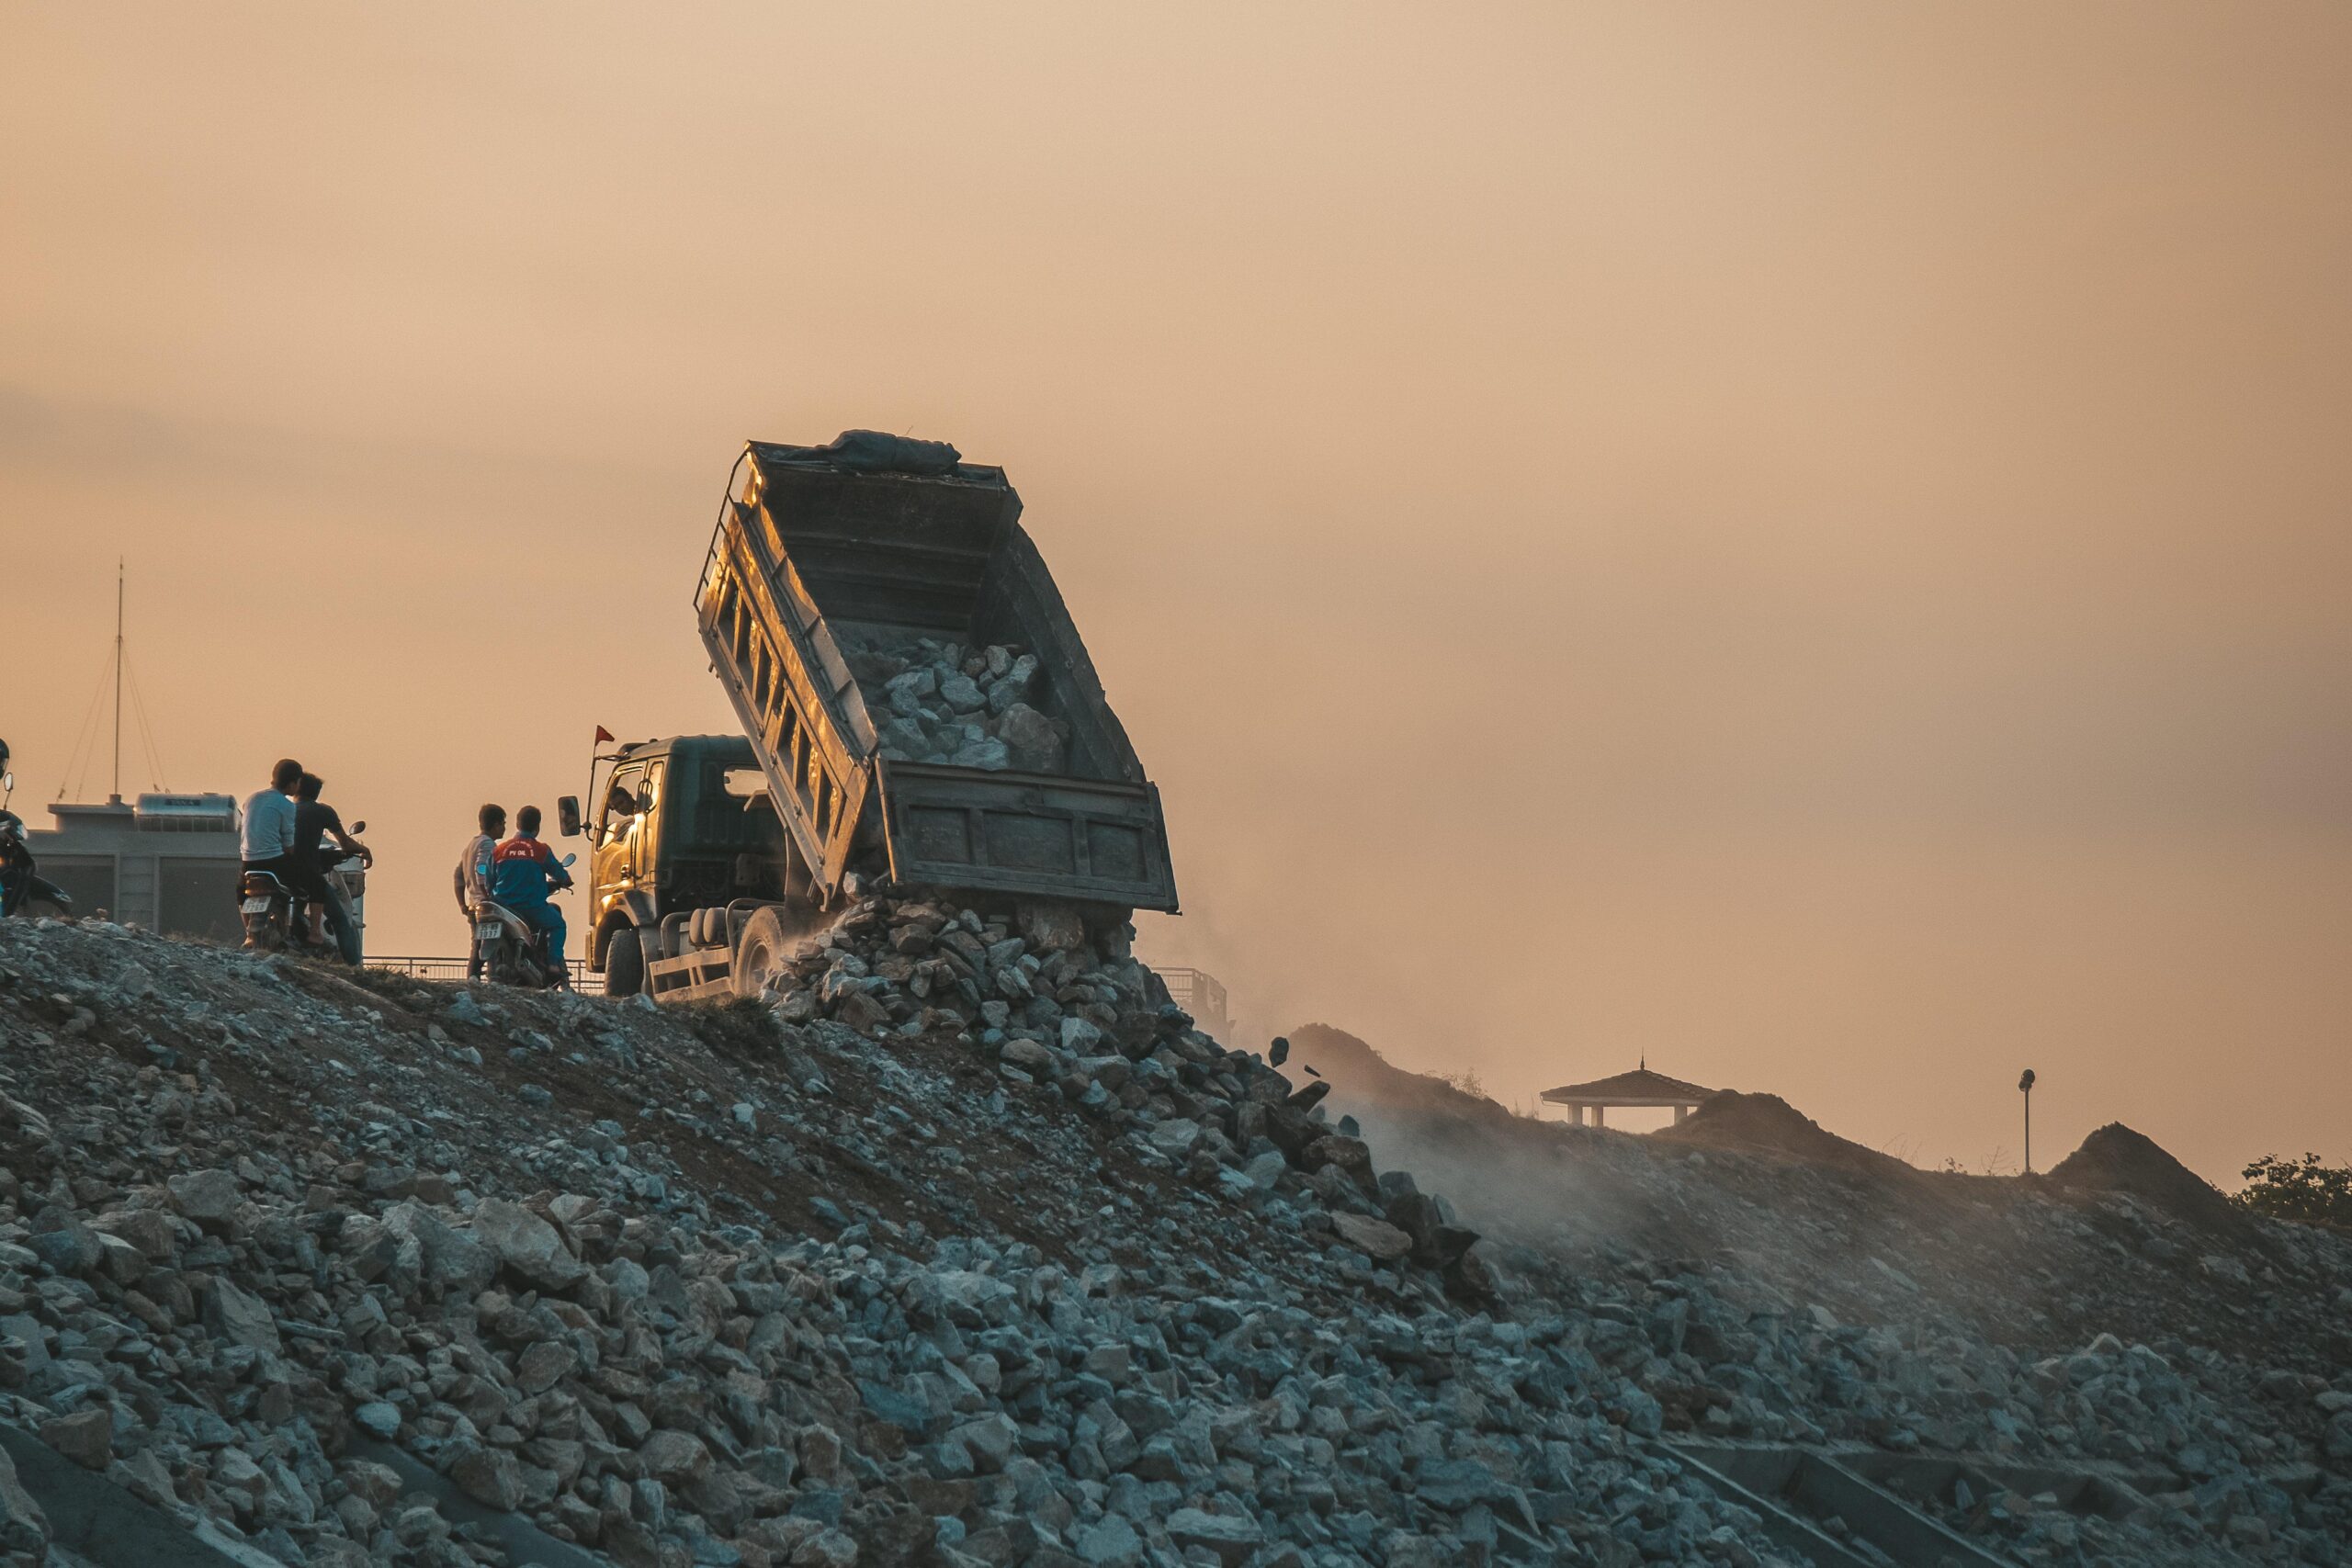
x=513 y=966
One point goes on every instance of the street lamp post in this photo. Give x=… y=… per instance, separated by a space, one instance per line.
x=2025 y=1087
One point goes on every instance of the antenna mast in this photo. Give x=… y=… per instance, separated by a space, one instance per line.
x=114 y=798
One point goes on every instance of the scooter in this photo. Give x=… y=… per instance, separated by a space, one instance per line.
x=265 y=904
x=277 y=918
x=21 y=891
x=511 y=950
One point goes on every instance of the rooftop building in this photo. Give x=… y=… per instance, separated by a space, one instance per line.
x=166 y=863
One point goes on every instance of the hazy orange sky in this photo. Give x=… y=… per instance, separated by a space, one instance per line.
x=1807 y=541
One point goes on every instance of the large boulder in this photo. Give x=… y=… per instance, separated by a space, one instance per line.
x=87 y=1437
x=1377 y=1237
x=1351 y=1156
x=208 y=1197
x=491 y=1477
x=527 y=1244
x=447 y=1258
x=674 y=1457
x=240 y=1317
x=1029 y=1055
x=1230 y=1537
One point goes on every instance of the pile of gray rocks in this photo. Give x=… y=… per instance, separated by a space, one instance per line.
x=2070 y=1374
x=965 y=1246
x=973 y=707
x=335 y=1266
x=1056 y=999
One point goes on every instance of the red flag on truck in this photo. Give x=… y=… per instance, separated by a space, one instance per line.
x=603 y=735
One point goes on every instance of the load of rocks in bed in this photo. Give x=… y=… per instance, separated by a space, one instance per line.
x=967 y=706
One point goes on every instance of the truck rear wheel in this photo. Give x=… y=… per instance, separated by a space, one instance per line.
x=759 y=951
x=624 y=962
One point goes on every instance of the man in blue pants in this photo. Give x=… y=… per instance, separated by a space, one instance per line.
x=522 y=873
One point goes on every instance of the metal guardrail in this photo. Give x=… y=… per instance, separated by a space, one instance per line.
x=583 y=980
x=1199 y=993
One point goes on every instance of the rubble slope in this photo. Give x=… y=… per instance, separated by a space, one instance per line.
x=963 y=1246
x=2121 y=1320
x=1053 y=1283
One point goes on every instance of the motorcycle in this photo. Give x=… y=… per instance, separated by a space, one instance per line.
x=22 y=890
x=511 y=950
x=278 y=918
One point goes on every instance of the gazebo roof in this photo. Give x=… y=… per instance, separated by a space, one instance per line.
x=1640 y=1086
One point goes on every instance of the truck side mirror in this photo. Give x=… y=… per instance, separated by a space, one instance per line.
x=566 y=815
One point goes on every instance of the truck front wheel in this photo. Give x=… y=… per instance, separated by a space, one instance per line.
x=760 y=952
x=624 y=962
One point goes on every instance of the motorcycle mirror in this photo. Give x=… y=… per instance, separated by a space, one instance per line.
x=570 y=860
x=7 y=783
x=360 y=827
x=566 y=815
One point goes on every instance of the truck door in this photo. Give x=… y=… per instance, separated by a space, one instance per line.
x=619 y=818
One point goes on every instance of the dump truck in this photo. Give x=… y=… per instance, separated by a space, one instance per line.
x=917 y=710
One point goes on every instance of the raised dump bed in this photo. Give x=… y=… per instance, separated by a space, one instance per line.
x=849 y=588
x=915 y=706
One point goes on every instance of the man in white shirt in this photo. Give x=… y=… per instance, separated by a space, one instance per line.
x=472 y=880
x=266 y=838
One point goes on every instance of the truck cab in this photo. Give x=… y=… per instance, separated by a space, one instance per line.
x=680 y=824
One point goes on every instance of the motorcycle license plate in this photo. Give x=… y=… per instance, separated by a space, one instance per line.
x=488 y=931
x=256 y=906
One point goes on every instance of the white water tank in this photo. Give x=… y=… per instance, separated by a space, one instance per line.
x=187 y=813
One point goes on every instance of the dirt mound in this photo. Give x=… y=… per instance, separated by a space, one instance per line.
x=1340 y=1056
x=2116 y=1159
x=1365 y=1079
x=1766 y=1125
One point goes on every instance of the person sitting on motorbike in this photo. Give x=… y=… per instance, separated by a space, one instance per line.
x=19 y=884
x=471 y=881
x=522 y=873
x=314 y=821
x=267 y=835
x=15 y=862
